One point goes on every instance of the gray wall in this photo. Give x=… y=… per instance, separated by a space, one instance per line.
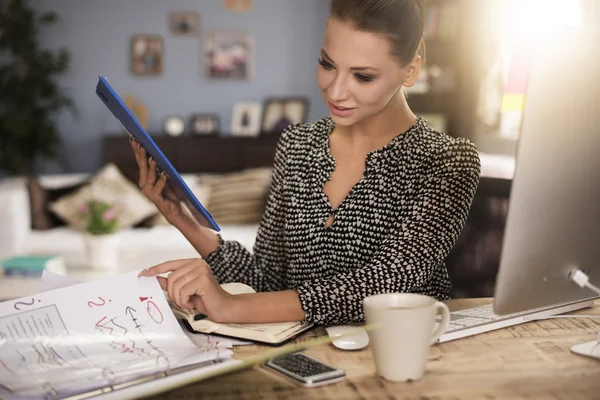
x=287 y=33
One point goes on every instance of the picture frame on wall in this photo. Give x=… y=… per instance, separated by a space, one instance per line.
x=204 y=124
x=246 y=119
x=238 y=5
x=228 y=55
x=147 y=55
x=280 y=112
x=184 y=23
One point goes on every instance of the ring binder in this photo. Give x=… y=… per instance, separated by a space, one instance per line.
x=112 y=379
x=168 y=365
x=51 y=391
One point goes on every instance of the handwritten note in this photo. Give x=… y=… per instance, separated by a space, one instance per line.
x=91 y=334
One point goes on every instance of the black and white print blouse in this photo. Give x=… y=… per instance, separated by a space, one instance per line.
x=391 y=233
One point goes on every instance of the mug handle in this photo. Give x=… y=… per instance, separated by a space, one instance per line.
x=443 y=324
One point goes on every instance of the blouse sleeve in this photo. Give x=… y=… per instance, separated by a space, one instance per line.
x=408 y=258
x=260 y=269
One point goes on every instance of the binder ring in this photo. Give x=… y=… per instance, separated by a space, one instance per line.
x=109 y=374
x=51 y=391
x=166 y=359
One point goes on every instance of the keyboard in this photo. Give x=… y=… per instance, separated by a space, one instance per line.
x=472 y=321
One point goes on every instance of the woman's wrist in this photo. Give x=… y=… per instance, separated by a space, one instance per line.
x=265 y=307
x=182 y=221
x=204 y=240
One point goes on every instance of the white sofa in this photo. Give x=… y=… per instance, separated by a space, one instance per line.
x=139 y=247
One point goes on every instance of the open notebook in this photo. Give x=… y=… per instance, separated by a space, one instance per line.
x=272 y=334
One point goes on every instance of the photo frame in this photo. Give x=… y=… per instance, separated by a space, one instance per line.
x=238 y=5
x=184 y=23
x=246 y=119
x=280 y=112
x=228 y=55
x=147 y=55
x=204 y=124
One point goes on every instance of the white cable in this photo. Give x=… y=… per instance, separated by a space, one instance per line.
x=582 y=280
x=569 y=316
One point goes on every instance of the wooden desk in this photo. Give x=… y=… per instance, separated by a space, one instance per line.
x=531 y=360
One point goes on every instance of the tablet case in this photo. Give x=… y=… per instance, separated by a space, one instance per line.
x=114 y=103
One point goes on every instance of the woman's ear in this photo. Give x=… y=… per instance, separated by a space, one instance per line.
x=412 y=72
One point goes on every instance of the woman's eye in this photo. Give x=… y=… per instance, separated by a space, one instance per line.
x=364 y=78
x=325 y=64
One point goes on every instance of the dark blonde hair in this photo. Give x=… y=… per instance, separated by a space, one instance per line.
x=402 y=21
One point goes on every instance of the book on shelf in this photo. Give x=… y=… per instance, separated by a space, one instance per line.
x=271 y=333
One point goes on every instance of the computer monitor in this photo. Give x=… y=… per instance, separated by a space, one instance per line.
x=553 y=223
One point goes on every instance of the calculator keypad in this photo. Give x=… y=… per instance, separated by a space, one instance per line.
x=301 y=365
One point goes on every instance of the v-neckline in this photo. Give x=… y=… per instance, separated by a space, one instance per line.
x=331 y=165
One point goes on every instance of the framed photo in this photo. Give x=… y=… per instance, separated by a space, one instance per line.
x=279 y=112
x=228 y=55
x=184 y=23
x=238 y=5
x=246 y=119
x=204 y=124
x=147 y=55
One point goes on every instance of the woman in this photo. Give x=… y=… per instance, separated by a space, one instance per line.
x=366 y=201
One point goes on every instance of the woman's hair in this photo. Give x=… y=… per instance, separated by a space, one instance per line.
x=402 y=21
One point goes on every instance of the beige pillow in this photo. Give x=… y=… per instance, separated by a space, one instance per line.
x=201 y=192
x=238 y=197
x=108 y=185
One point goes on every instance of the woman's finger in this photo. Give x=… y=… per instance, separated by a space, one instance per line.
x=165 y=267
x=151 y=172
x=142 y=164
x=188 y=290
x=160 y=185
x=162 y=281
x=169 y=194
x=179 y=278
x=191 y=280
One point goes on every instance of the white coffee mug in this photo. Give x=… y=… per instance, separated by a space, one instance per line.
x=403 y=334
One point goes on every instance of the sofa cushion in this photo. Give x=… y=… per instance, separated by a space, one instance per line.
x=40 y=198
x=107 y=185
x=237 y=197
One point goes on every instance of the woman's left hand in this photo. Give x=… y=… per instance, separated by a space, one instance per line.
x=191 y=284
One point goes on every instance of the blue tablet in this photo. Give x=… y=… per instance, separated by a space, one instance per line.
x=114 y=103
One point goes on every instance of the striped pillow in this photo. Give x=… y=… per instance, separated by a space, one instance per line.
x=237 y=197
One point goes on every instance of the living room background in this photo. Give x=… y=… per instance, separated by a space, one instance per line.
x=98 y=35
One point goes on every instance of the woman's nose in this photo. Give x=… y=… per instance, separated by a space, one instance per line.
x=338 y=90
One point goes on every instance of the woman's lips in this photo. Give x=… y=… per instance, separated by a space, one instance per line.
x=341 y=111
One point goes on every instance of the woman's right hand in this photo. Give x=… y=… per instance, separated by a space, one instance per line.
x=154 y=188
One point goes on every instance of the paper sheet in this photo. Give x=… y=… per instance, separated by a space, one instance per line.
x=92 y=334
x=51 y=281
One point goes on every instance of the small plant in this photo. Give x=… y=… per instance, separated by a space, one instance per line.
x=101 y=217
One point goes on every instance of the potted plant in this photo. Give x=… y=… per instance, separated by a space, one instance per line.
x=30 y=97
x=101 y=234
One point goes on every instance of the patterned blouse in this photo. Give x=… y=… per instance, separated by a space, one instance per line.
x=391 y=233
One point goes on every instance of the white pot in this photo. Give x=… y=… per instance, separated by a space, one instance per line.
x=102 y=251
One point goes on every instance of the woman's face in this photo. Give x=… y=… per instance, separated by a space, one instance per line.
x=357 y=74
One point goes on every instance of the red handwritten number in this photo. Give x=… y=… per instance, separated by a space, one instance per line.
x=154 y=312
x=90 y=303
